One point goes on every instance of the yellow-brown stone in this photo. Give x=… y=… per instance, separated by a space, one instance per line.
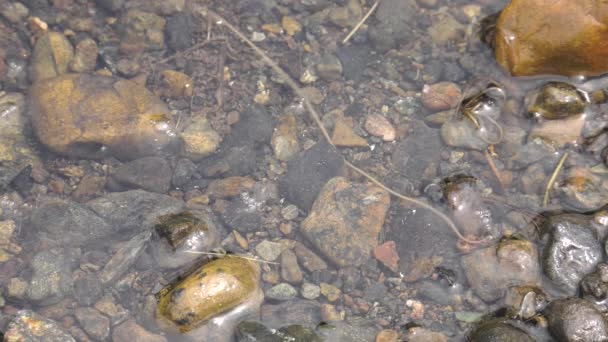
x=51 y=57
x=562 y=37
x=92 y=116
x=217 y=287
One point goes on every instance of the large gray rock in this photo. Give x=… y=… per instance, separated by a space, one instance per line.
x=575 y=319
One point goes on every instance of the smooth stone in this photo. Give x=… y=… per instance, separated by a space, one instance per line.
x=234 y=161
x=310 y=291
x=88 y=288
x=94 y=116
x=575 y=319
x=148 y=173
x=345 y=221
x=179 y=31
x=51 y=56
x=214 y=289
x=594 y=287
x=281 y=292
x=93 y=322
x=199 y=139
x=345 y=136
x=490 y=271
x=141 y=31
x=497 y=330
x=305 y=312
x=284 y=140
x=394 y=24
x=29 y=326
x=255 y=127
x=14 y=147
x=52 y=275
x=85 y=56
x=243 y=214
x=461 y=132
x=290 y=270
x=269 y=250
x=130 y=331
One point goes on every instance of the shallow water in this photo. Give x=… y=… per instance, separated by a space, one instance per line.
x=492 y=185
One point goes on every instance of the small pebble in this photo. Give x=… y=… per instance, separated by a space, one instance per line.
x=379 y=126
x=329 y=313
x=282 y=292
x=290 y=212
x=269 y=250
x=441 y=96
x=330 y=292
x=310 y=291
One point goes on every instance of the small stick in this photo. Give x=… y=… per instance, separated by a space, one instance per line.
x=361 y=22
x=494 y=169
x=224 y=255
x=315 y=116
x=553 y=177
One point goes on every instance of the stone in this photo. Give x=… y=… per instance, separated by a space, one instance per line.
x=330 y=313
x=93 y=116
x=419 y=334
x=229 y=187
x=560 y=37
x=284 y=140
x=51 y=56
x=461 y=132
x=16 y=288
x=445 y=29
x=199 y=139
x=93 y=322
x=85 y=56
x=179 y=31
x=255 y=127
x=345 y=221
x=395 y=20
x=308 y=259
x=346 y=16
x=305 y=312
x=329 y=68
x=183 y=172
x=594 y=286
x=308 y=172
x=123 y=258
x=281 y=292
x=556 y=100
x=388 y=336
x=243 y=214
x=345 y=136
x=496 y=330
x=29 y=326
x=15 y=150
x=330 y=292
x=525 y=302
x=235 y=161
x=141 y=31
x=14 y=12
x=130 y=331
x=441 y=96
x=386 y=253
x=490 y=271
x=573 y=250
x=559 y=132
x=176 y=84
x=88 y=288
x=310 y=291
x=290 y=270
x=230 y=281
x=291 y=25
x=379 y=126
x=147 y=173
x=69 y=223
x=51 y=277
x=582 y=190
x=269 y=250
x=575 y=319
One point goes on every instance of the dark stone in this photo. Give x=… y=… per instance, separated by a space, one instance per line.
x=308 y=172
x=28 y=326
x=393 y=24
x=184 y=170
x=178 y=31
x=354 y=59
x=148 y=173
x=93 y=322
x=575 y=319
x=411 y=157
x=573 y=250
x=111 y=5
x=235 y=161
x=69 y=223
x=135 y=210
x=594 y=286
x=499 y=331
x=87 y=289
x=255 y=127
x=243 y=214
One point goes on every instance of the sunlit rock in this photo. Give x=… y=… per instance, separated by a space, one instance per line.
x=563 y=37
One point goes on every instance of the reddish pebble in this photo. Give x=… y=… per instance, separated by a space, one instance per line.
x=441 y=96
x=387 y=336
x=386 y=253
x=379 y=126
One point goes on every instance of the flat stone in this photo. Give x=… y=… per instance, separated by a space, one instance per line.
x=345 y=136
x=282 y=292
x=93 y=322
x=29 y=326
x=269 y=250
x=148 y=173
x=345 y=221
x=290 y=270
x=52 y=275
x=130 y=331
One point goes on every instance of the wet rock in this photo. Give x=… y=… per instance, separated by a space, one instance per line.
x=29 y=326
x=93 y=116
x=243 y=214
x=229 y=187
x=582 y=190
x=386 y=253
x=88 y=289
x=421 y=140
x=573 y=250
x=532 y=39
x=345 y=136
x=177 y=235
x=346 y=16
x=141 y=31
x=284 y=140
x=441 y=96
x=52 y=275
x=308 y=259
x=14 y=12
x=257 y=332
x=393 y=25
x=497 y=330
x=93 y=322
x=231 y=281
x=574 y=319
x=148 y=173
x=15 y=150
x=446 y=29
x=303 y=312
x=183 y=172
x=525 y=302
x=491 y=270
x=235 y=161
x=178 y=31
x=308 y=172
x=254 y=128
x=353 y=332
x=269 y=250
x=345 y=221
x=290 y=270
x=418 y=334
x=379 y=126
x=556 y=100
x=51 y=56
x=124 y=258
x=310 y=291
x=69 y=223
x=281 y=292
x=85 y=56
x=461 y=132
x=329 y=68
x=130 y=331
x=176 y=84
x=594 y=286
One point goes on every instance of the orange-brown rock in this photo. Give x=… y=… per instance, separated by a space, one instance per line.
x=93 y=116
x=562 y=37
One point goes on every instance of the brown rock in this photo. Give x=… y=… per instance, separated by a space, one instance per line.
x=387 y=336
x=285 y=140
x=559 y=132
x=290 y=270
x=176 y=84
x=141 y=31
x=379 y=126
x=345 y=221
x=418 y=334
x=345 y=136
x=130 y=331
x=52 y=54
x=229 y=187
x=308 y=259
x=441 y=96
x=92 y=116
x=386 y=253
x=563 y=37
x=85 y=57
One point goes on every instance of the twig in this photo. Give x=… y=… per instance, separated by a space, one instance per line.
x=361 y=22
x=224 y=255
x=316 y=118
x=495 y=170
x=553 y=177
